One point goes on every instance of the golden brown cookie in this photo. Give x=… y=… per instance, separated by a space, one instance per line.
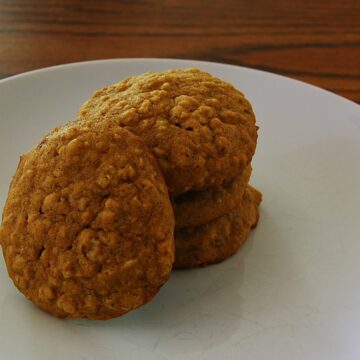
x=201 y=129
x=88 y=226
x=196 y=208
x=219 y=239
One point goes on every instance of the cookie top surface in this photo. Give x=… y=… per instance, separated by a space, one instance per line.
x=88 y=226
x=201 y=129
x=219 y=239
x=196 y=208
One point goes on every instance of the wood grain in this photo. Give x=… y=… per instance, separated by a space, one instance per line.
x=314 y=41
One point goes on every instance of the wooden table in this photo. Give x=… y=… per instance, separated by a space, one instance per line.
x=317 y=41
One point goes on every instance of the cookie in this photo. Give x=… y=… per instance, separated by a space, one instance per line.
x=196 y=208
x=216 y=241
x=87 y=227
x=201 y=129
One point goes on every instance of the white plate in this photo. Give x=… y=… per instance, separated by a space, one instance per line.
x=291 y=292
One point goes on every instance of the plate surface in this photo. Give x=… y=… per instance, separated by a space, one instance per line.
x=291 y=292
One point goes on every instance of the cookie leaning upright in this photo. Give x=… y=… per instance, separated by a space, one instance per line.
x=201 y=129
x=88 y=226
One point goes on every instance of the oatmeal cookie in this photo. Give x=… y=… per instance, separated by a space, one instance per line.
x=87 y=229
x=219 y=239
x=196 y=208
x=200 y=128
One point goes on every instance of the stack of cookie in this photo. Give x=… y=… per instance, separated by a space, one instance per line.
x=203 y=133
x=153 y=174
x=215 y=237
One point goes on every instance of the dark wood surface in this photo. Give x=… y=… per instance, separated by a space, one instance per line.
x=315 y=41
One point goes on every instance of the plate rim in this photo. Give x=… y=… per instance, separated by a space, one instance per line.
x=164 y=60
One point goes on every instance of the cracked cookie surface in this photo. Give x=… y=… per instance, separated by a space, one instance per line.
x=201 y=129
x=88 y=226
x=219 y=239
